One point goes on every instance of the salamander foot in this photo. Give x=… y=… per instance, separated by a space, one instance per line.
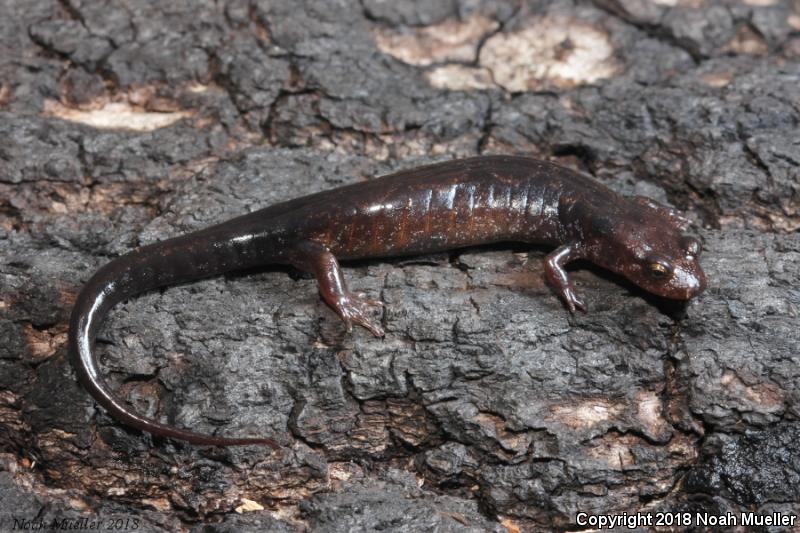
x=354 y=308
x=572 y=299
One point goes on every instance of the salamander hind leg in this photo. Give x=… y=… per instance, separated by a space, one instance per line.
x=353 y=308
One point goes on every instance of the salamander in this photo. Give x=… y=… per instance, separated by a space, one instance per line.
x=432 y=208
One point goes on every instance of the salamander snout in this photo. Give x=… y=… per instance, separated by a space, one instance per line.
x=678 y=276
x=688 y=282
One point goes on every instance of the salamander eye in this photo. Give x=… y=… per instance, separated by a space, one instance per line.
x=658 y=270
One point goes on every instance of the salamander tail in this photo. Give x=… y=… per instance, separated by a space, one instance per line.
x=113 y=283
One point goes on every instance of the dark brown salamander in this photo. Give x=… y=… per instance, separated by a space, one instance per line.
x=428 y=209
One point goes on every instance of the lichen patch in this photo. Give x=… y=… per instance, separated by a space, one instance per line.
x=249 y=506
x=762 y=395
x=460 y=78
x=586 y=414
x=761 y=3
x=682 y=3
x=43 y=344
x=748 y=42
x=451 y=40
x=550 y=51
x=115 y=116
x=649 y=412
x=5 y=94
x=717 y=79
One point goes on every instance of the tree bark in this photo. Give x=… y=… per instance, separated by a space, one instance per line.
x=487 y=406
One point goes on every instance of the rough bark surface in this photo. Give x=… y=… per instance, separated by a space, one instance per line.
x=486 y=407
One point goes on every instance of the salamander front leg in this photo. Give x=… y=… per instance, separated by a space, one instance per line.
x=353 y=308
x=554 y=271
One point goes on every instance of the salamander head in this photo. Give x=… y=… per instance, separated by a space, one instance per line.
x=645 y=243
x=667 y=266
